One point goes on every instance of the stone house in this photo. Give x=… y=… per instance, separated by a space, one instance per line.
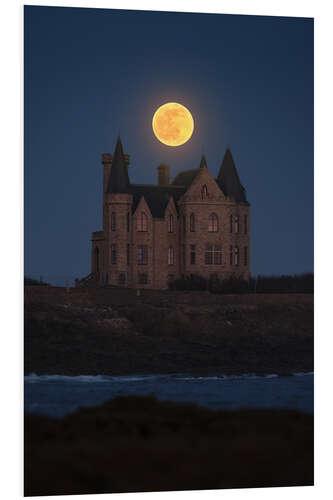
x=153 y=234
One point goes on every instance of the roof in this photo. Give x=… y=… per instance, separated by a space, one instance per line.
x=118 y=180
x=185 y=177
x=157 y=197
x=228 y=179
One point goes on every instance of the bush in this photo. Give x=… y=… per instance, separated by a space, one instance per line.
x=301 y=283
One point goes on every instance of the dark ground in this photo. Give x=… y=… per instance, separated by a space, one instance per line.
x=114 y=332
x=139 y=444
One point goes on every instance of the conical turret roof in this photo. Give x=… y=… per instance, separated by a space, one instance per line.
x=228 y=179
x=118 y=179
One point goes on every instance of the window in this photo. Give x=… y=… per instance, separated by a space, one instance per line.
x=236 y=224
x=128 y=253
x=121 y=279
x=231 y=223
x=128 y=222
x=184 y=223
x=192 y=223
x=113 y=254
x=245 y=224
x=113 y=221
x=213 y=223
x=171 y=256
x=236 y=256
x=217 y=254
x=184 y=254
x=143 y=278
x=245 y=256
x=213 y=255
x=230 y=255
x=96 y=252
x=170 y=224
x=142 y=224
x=192 y=254
x=171 y=277
x=142 y=255
x=204 y=192
x=209 y=254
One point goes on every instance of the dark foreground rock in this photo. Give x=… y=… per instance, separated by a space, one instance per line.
x=139 y=444
x=114 y=332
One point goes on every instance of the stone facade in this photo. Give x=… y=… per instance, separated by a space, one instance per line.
x=197 y=225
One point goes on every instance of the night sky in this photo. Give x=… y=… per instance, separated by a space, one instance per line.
x=91 y=74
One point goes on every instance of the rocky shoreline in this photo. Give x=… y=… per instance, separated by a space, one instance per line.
x=138 y=444
x=116 y=332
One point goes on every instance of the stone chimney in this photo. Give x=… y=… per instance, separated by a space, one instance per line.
x=163 y=174
x=127 y=159
x=107 y=163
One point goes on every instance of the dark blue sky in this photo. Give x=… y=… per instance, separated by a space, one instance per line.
x=90 y=73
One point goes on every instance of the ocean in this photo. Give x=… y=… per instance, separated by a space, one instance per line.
x=58 y=395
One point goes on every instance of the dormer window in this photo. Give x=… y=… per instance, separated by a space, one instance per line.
x=142 y=223
x=204 y=192
x=170 y=224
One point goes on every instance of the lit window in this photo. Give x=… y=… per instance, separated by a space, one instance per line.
x=170 y=224
x=142 y=255
x=213 y=223
x=192 y=223
x=142 y=224
x=171 y=256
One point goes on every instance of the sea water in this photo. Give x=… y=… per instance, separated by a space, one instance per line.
x=58 y=395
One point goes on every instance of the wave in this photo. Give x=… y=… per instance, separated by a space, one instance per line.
x=86 y=379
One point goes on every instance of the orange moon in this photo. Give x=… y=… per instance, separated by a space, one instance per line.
x=173 y=124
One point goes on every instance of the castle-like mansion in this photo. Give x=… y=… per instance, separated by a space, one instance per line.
x=153 y=234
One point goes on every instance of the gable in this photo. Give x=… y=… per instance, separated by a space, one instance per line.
x=195 y=191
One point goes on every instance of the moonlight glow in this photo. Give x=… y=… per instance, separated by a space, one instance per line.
x=173 y=124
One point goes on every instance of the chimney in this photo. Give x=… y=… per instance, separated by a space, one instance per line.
x=163 y=174
x=107 y=163
x=127 y=160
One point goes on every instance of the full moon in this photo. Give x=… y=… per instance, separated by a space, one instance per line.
x=173 y=124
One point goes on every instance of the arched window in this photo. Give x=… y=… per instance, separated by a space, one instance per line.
x=170 y=224
x=192 y=223
x=236 y=224
x=171 y=256
x=213 y=223
x=142 y=224
x=113 y=221
x=236 y=256
x=204 y=192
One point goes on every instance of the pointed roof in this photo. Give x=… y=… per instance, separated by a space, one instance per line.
x=203 y=163
x=118 y=179
x=228 y=179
